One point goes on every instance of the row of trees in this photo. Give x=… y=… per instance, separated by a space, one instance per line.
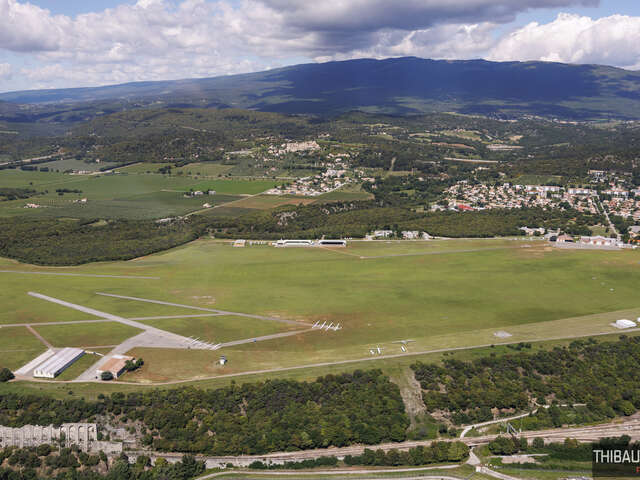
x=437 y=452
x=46 y=463
x=8 y=193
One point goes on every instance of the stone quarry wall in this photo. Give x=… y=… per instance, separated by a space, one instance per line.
x=84 y=435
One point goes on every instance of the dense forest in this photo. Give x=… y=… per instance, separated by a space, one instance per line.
x=359 y=218
x=277 y=415
x=69 y=242
x=601 y=376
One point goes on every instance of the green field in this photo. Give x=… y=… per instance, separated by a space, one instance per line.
x=342 y=196
x=142 y=167
x=73 y=164
x=120 y=195
x=264 y=202
x=442 y=294
x=251 y=187
x=17 y=346
x=192 y=169
x=87 y=334
x=537 y=179
x=222 y=328
x=203 y=169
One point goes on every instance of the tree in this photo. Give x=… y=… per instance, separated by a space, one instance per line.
x=502 y=446
x=458 y=451
x=106 y=376
x=538 y=443
x=6 y=375
x=43 y=450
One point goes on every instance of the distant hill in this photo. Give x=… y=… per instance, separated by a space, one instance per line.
x=398 y=86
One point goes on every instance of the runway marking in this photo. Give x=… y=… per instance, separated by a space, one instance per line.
x=222 y=312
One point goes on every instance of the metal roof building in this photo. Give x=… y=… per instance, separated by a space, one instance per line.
x=58 y=363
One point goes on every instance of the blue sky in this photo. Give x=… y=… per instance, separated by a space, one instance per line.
x=69 y=43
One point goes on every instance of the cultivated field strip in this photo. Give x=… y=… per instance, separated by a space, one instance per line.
x=66 y=274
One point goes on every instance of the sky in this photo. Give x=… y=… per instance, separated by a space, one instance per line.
x=75 y=43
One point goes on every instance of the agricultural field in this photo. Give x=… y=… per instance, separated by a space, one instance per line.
x=538 y=180
x=73 y=164
x=445 y=294
x=199 y=169
x=235 y=187
x=119 y=195
x=265 y=202
x=142 y=167
x=203 y=169
x=344 y=196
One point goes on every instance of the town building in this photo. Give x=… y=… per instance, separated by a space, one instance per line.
x=564 y=238
x=411 y=234
x=532 y=231
x=580 y=191
x=382 y=233
x=294 y=243
x=116 y=365
x=332 y=243
x=599 y=240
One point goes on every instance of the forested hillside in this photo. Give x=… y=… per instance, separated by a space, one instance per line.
x=277 y=415
x=602 y=376
x=395 y=85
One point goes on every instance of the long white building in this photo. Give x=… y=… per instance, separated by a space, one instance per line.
x=58 y=363
x=310 y=243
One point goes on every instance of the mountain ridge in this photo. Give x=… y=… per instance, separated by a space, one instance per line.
x=402 y=85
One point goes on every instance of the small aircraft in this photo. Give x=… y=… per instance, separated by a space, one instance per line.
x=404 y=342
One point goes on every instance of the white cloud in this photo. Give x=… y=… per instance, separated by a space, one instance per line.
x=169 y=39
x=440 y=42
x=569 y=38
x=5 y=70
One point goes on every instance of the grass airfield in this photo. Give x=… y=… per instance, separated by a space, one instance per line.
x=444 y=294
